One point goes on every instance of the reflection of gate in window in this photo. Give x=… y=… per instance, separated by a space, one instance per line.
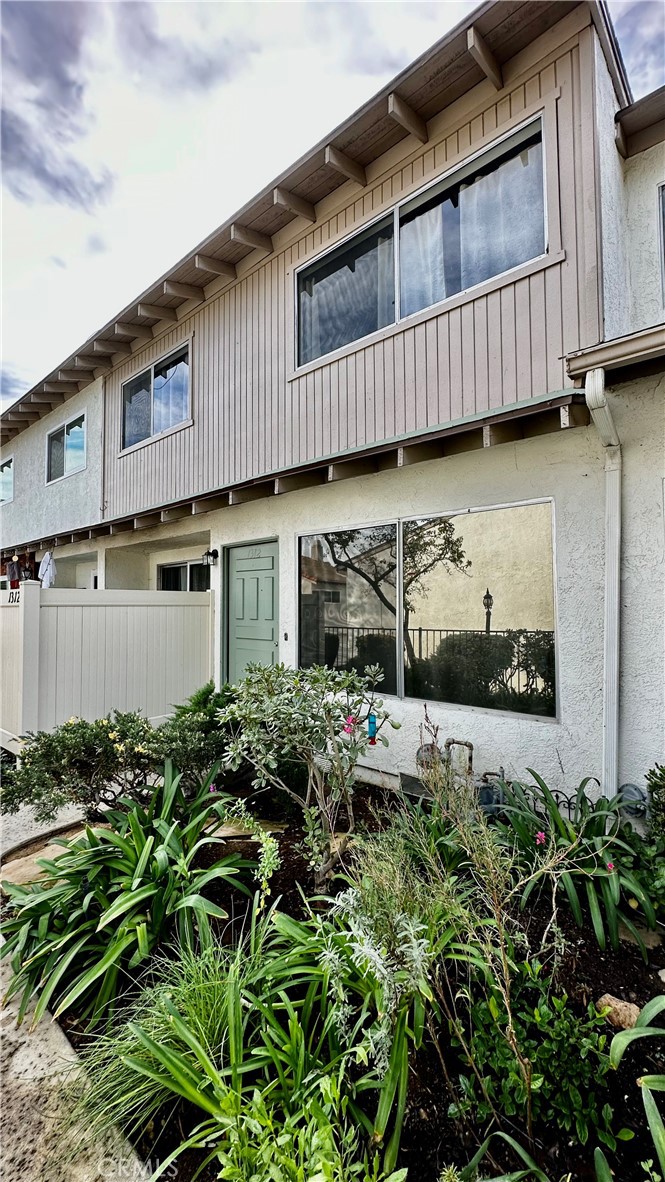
x=448 y=655
x=183 y=576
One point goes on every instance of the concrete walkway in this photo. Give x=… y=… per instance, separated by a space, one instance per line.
x=37 y=1145
x=16 y=828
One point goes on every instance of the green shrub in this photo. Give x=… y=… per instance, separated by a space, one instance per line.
x=567 y=1055
x=315 y=717
x=218 y=1026
x=656 y=789
x=594 y=874
x=77 y=936
x=88 y=764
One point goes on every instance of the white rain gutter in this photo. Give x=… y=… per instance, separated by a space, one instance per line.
x=596 y=401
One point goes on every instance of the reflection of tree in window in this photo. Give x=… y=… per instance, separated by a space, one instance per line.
x=371 y=555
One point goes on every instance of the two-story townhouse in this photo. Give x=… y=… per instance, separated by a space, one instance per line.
x=406 y=407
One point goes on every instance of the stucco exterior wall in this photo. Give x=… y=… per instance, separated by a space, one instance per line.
x=41 y=509
x=639 y=412
x=644 y=174
x=566 y=468
x=614 y=254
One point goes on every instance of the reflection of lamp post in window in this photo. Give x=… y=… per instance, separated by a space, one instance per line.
x=487 y=604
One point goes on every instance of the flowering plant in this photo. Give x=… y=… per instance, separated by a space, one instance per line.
x=317 y=717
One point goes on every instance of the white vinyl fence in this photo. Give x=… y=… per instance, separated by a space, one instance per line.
x=84 y=653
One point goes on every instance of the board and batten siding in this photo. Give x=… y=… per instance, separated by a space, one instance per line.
x=253 y=412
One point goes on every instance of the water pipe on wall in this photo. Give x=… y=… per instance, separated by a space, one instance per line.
x=601 y=414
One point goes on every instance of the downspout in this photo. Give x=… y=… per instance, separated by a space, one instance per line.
x=600 y=413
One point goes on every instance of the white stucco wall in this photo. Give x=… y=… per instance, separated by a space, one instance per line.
x=644 y=174
x=40 y=509
x=639 y=412
x=616 y=278
x=567 y=467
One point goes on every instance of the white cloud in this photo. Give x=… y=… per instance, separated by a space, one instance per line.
x=172 y=115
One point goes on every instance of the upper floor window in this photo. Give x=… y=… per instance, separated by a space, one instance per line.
x=483 y=220
x=65 y=451
x=348 y=294
x=7 y=480
x=156 y=399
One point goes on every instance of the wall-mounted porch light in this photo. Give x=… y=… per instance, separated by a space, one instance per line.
x=209 y=557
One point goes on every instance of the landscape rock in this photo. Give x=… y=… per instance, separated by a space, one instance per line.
x=621 y=1014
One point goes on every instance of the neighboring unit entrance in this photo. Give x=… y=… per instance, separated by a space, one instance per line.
x=253 y=628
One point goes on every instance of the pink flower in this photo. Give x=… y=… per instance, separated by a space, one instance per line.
x=540 y=838
x=349 y=725
x=610 y=865
x=213 y=788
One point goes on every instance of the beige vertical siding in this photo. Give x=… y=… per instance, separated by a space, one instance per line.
x=251 y=415
x=10 y=682
x=120 y=650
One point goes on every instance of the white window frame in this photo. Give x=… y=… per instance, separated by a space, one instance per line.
x=186 y=422
x=399 y=523
x=445 y=180
x=82 y=414
x=3 y=464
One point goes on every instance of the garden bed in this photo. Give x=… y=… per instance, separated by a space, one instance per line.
x=354 y=1004
x=430 y=1138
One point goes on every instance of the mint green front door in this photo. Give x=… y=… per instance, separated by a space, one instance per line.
x=253 y=627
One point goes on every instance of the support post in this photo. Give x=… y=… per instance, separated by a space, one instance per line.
x=29 y=607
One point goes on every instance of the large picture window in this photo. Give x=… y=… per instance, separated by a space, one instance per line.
x=156 y=399
x=476 y=622
x=66 y=449
x=481 y=221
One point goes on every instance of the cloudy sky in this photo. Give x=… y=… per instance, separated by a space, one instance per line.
x=131 y=129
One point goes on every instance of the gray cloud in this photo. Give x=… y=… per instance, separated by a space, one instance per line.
x=95 y=244
x=640 y=28
x=11 y=386
x=44 y=102
x=58 y=262
x=34 y=170
x=168 y=63
x=355 y=35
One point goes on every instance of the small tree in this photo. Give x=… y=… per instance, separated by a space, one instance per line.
x=322 y=718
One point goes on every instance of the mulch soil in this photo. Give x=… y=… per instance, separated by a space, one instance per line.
x=431 y=1140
